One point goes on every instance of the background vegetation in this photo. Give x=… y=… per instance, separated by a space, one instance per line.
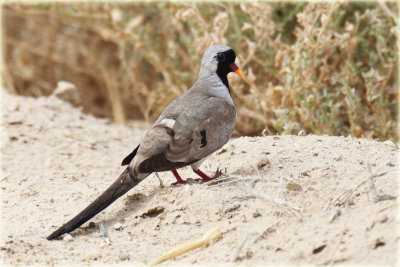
x=323 y=68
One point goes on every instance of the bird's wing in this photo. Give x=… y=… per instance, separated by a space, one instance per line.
x=199 y=129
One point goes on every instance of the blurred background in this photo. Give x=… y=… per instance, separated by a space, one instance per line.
x=322 y=68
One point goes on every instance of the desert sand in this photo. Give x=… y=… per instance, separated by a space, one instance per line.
x=282 y=199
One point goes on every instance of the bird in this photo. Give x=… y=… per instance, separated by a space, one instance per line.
x=191 y=128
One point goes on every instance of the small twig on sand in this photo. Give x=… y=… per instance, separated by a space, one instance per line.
x=278 y=201
x=212 y=235
x=345 y=196
x=104 y=233
x=5 y=178
x=230 y=180
x=236 y=254
x=388 y=207
x=258 y=236
x=335 y=213
x=254 y=181
x=159 y=179
x=266 y=231
x=220 y=180
x=254 y=193
x=372 y=188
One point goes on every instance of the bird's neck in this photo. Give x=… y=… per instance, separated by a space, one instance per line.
x=215 y=85
x=224 y=79
x=215 y=77
x=222 y=74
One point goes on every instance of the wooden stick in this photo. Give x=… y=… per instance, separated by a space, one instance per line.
x=212 y=235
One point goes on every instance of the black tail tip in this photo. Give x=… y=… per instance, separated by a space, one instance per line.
x=56 y=234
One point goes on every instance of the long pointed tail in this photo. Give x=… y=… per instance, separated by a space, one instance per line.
x=122 y=185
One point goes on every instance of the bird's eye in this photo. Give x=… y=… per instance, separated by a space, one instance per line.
x=221 y=57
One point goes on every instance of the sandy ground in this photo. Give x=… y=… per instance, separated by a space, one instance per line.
x=283 y=199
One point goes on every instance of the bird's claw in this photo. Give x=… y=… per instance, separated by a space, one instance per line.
x=206 y=178
x=217 y=174
x=177 y=183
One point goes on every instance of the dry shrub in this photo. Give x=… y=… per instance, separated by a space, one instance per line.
x=320 y=67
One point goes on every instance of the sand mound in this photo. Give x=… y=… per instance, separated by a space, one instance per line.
x=283 y=199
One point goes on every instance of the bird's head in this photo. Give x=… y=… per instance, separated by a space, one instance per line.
x=219 y=59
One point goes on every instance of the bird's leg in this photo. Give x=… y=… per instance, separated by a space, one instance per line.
x=178 y=178
x=205 y=177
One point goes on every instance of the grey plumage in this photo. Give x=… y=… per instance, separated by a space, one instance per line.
x=192 y=127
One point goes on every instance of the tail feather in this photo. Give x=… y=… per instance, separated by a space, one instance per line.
x=122 y=185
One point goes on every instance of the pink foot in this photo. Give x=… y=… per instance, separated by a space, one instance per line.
x=178 y=178
x=205 y=177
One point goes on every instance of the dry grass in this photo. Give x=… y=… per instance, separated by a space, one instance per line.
x=324 y=68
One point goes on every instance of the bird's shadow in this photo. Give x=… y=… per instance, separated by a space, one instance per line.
x=132 y=204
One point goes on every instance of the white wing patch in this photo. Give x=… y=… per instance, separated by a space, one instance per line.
x=168 y=122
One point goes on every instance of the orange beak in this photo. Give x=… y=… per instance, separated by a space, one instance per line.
x=236 y=69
